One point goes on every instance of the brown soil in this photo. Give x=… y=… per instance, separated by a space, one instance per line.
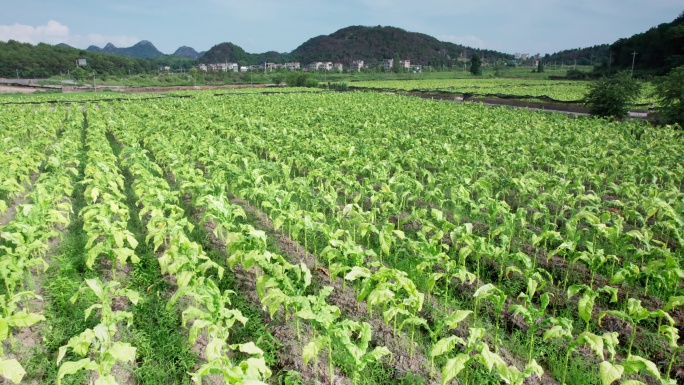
x=16 y=90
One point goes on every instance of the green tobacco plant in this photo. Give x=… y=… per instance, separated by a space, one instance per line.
x=96 y=345
x=474 y=349
x=585 y=305
x=498 y=298
x=532 y=315
x=449 y=322
x=611 y=371
x=14 y=317
x=212 y=311
x=635 y=314
x=252 y=371
x=324 y=317
x=357 y=347
x=562 y=329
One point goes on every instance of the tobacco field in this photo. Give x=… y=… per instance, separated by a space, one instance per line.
x=336 y=238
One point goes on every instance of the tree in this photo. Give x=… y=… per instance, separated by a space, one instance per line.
x=476 y=65
x=395 y=64
x=611 y=97
x=79 y=74
x=670 y=94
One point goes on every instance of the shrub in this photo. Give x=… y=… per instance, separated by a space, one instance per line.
x=576 y=74
x=611 y=97
x=301 y=79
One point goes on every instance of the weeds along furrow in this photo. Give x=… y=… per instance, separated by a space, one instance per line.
x=263 y=173
x=25 y=135
x=381 y=276
x=206 y=308
x=25 y=244
x=100 y=351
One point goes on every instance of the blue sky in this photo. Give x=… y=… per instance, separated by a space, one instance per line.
x=527 y=26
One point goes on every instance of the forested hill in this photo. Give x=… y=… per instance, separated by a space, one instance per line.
x=657 y=50
x=44 y=60
x=584 y=56
x=229 y=52
x=373 y=44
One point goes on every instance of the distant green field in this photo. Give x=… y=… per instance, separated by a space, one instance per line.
x=562 y=90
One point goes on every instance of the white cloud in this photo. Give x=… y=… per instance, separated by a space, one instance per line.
x=55 y=32
x=468 y=40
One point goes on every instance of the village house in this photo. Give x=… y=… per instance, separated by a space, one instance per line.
x=356 y=66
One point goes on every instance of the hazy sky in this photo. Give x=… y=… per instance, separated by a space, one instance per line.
x=527 y=26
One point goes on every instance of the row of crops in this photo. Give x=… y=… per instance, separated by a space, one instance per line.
x=461 y=243
x=557 y=90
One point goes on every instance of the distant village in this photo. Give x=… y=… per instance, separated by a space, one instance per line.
x=356 y=65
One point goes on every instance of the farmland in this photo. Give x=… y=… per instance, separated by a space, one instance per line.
x=559 y=90
x=356 y=238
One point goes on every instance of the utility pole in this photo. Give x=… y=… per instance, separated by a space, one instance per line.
x=633 y=57
x=610 y=59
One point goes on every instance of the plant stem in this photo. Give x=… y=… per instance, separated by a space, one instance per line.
x=631 y=340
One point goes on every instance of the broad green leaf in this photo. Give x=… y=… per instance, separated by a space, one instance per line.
x=491 y=359
x=585 y=305
x=445 y=345
x=132 y=241
x=453 y=366
x=595 y=342
x=122 y=351
x=376 y=354
x=636 y=364
x=557 y=331
x=453 y=319
x=610 y=372
x=4 y=329
x=73 y=367
x=673 y=302
x=251 y=348
x=311 y=350
x=96 y=286
x=357 y=272
x=214 y=349
x=106 y=380
x=12 y=370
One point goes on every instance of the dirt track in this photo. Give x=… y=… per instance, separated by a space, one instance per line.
x=13 y=90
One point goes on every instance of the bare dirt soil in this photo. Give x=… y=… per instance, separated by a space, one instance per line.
x=16 y=90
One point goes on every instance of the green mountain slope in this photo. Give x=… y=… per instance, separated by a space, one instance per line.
x=373 y=44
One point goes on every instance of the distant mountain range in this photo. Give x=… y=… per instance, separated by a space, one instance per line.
x=371 y=44
x=141 y=50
